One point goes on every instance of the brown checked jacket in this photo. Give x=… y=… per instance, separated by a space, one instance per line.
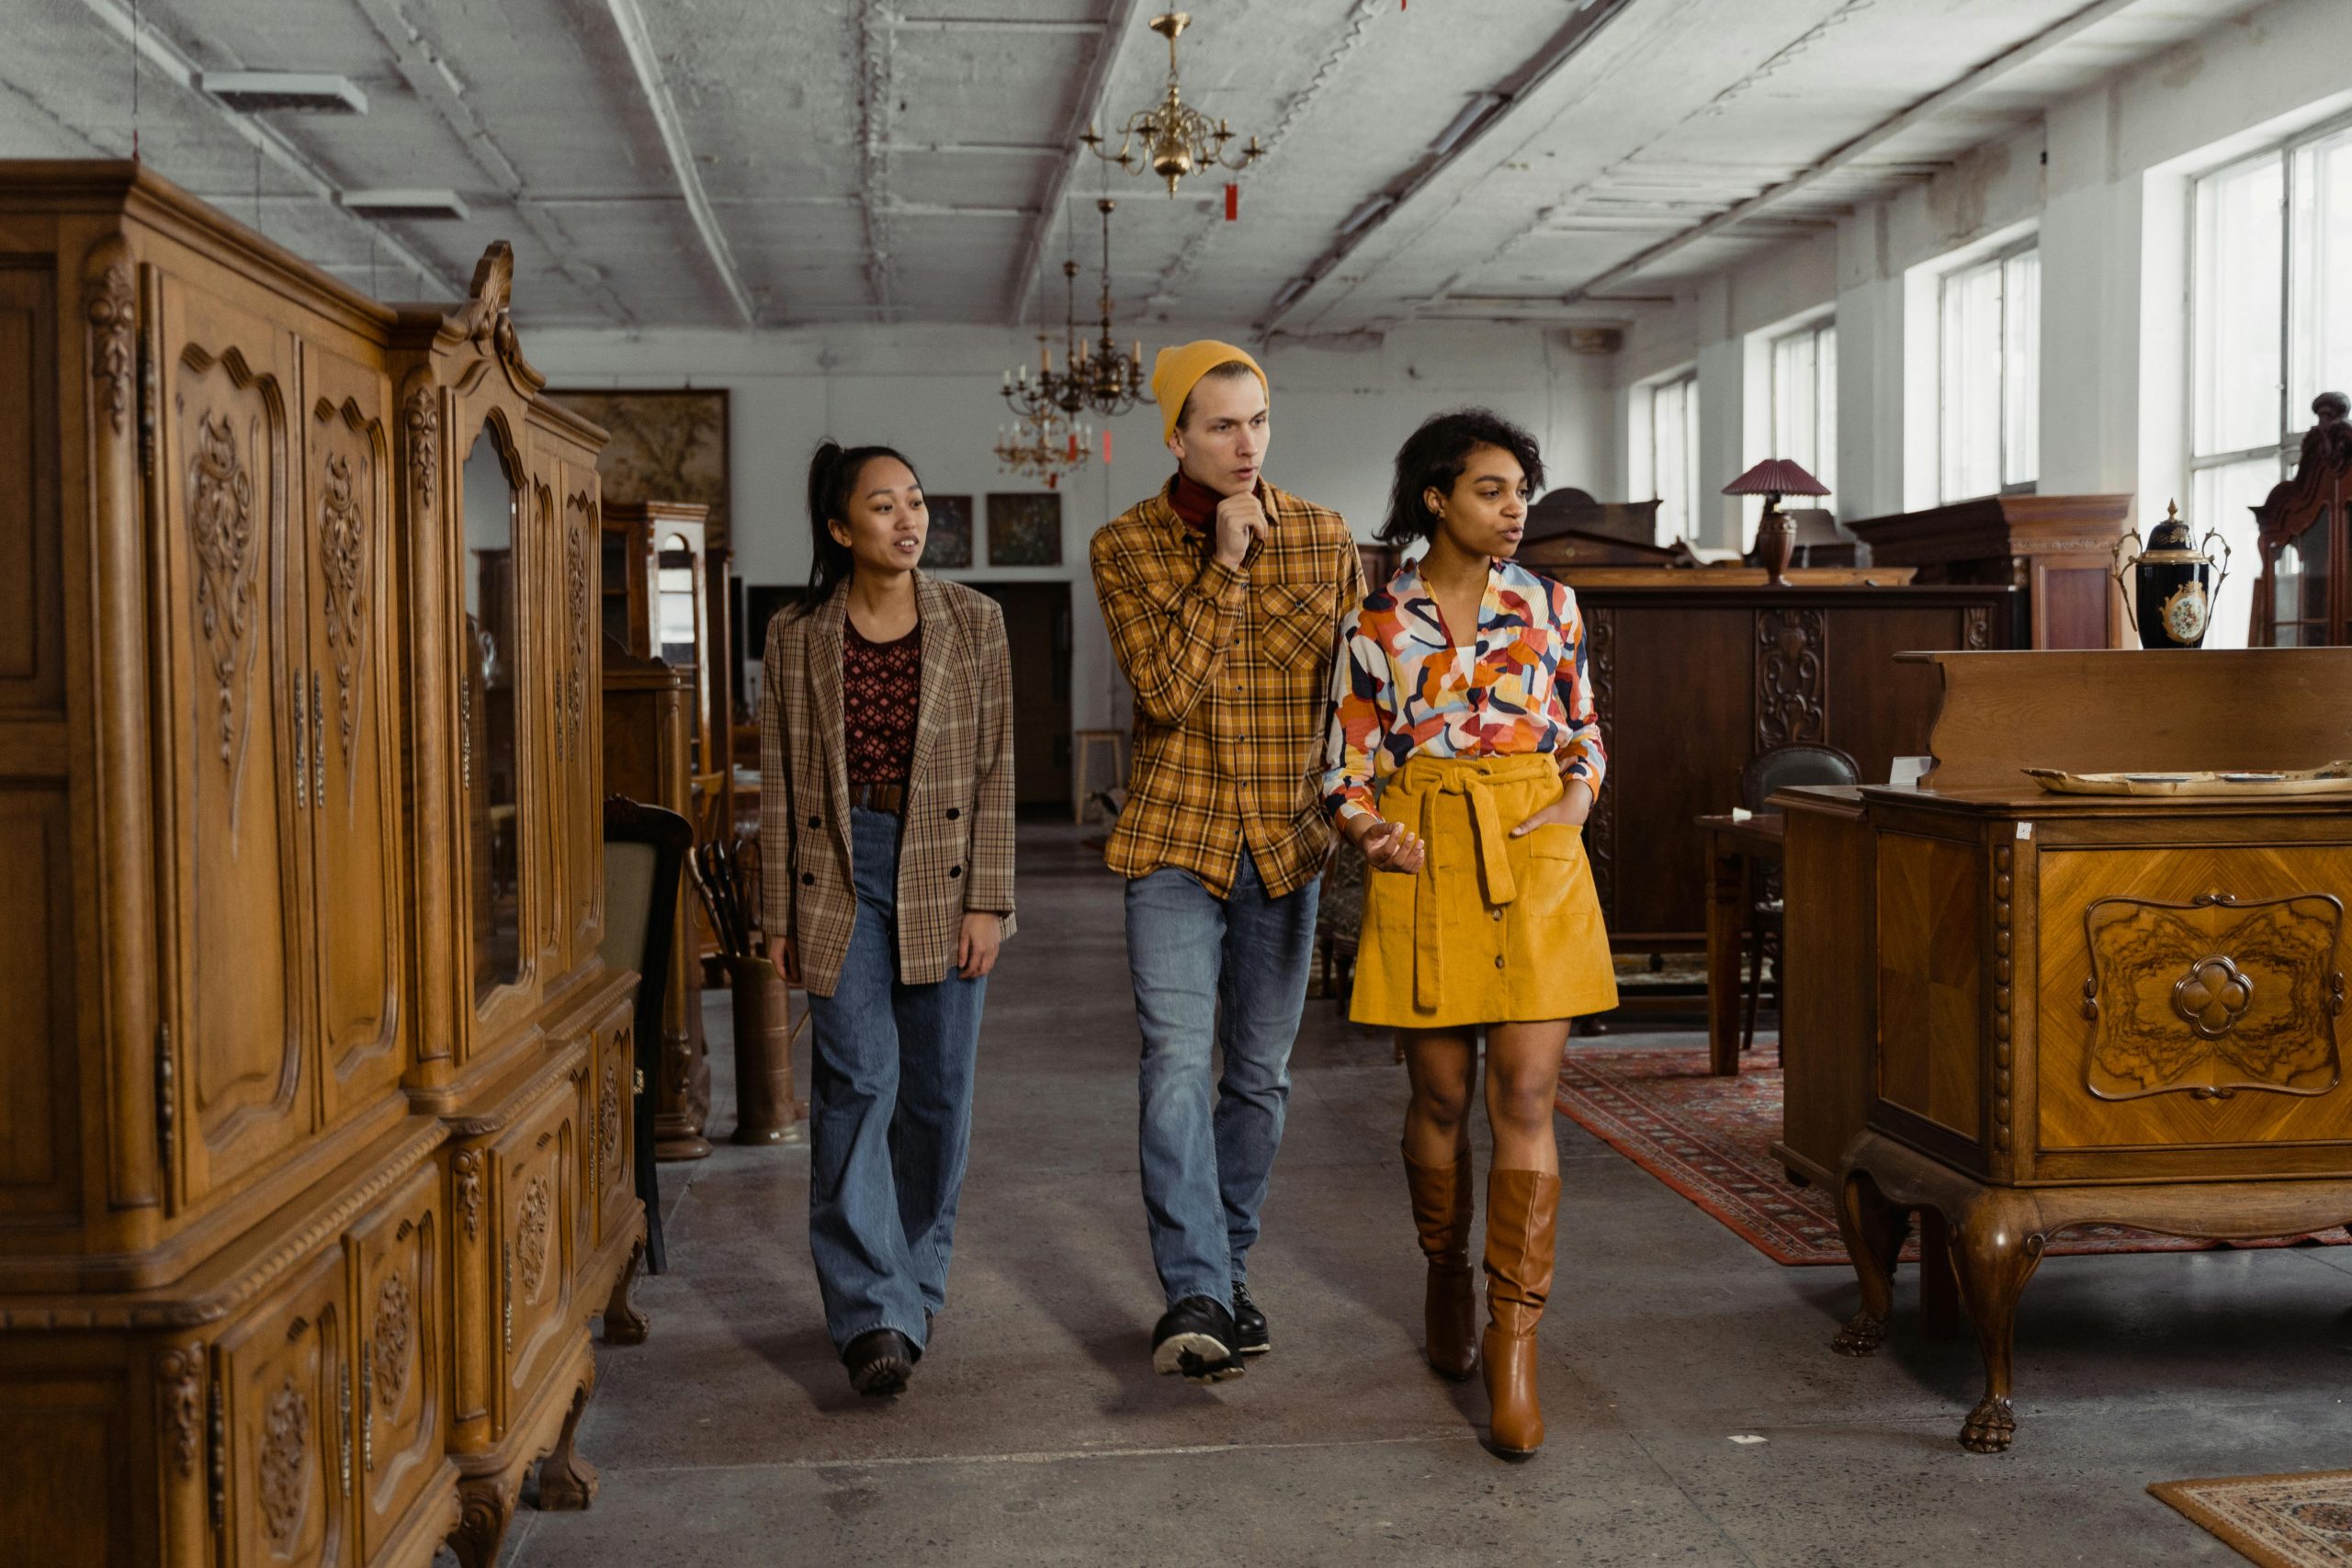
x=1232 y=677
x=955 y=851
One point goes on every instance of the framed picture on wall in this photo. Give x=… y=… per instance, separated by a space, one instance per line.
x=1025 y=528
x=949 y=544
x=666 y=446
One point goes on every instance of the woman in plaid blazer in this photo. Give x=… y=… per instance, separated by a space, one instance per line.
x=885 y=834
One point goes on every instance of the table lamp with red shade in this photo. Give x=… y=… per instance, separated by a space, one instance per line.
x=1776 y=531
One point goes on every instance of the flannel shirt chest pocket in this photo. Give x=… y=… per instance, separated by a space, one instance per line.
x=1296 y=624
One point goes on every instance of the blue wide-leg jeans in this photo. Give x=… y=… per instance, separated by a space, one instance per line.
x=1229 y=973
x=889 y=1115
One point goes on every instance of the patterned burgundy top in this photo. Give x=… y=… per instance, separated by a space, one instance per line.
x=881 y=690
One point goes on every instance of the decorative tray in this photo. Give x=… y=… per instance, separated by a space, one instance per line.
x=2333 y=778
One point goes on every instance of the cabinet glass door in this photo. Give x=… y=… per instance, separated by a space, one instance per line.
x=489 y=759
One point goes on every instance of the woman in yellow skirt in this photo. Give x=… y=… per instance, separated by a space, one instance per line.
x=1468 y=752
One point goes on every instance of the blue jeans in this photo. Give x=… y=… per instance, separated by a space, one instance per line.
x=1230 y=972
x=889 y=1115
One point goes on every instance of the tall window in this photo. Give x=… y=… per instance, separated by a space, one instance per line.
x=1804 y=399
x=1989 y=367
x=2272 y=329
x=1671 y=456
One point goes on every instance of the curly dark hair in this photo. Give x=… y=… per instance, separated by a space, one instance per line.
x=1432 y=459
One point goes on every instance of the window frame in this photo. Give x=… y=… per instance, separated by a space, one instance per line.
x=1824 y=397
x=1684 y=383
x=1997 y=260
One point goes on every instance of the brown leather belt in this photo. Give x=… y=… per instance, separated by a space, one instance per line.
x=887 y=797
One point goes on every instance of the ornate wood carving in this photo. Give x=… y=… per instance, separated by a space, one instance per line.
x=112 y=311
x=1977 y=629
x=1601 y=828
x=179 y=1393
x=1791 y=668
x=424 y=416
x=2213 y=998
x=220 y=514
x=465 y=1167
x=575 y=596
x=389 y=1342
x=2003 y=997
x=608 y=1122
x=533 y=1222
x=342 y=550
x=285 y=1460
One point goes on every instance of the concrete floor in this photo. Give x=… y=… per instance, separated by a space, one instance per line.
x=1036 y=1433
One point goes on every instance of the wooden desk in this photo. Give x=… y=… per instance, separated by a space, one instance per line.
x=2054 y=1011
x=1734 y=845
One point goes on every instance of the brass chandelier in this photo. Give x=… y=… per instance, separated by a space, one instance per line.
x=1175 y=139
x=1110 y=382
x=1043 y=446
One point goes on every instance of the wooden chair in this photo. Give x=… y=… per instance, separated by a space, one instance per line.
x=1780 y=768
x=645 y=856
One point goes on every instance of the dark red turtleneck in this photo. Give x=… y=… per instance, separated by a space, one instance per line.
x=1193 y=501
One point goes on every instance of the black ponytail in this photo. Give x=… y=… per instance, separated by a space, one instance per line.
x=833 y=478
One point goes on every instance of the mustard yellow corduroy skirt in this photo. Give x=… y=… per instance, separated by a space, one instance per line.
x=1492 y=928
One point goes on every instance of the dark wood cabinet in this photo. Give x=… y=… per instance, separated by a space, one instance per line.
x=1693 y=680
x=2056 y=548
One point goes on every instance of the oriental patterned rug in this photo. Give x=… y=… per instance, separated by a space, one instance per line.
x=2279 y=1521
x=1711 y=1140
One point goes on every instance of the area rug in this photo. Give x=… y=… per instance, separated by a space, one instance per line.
x=2279 y=1521
x=1711 y=1140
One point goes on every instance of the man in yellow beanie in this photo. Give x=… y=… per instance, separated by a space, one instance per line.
x=1224 y=597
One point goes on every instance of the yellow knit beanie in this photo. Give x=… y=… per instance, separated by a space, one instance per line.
x=1174 y=372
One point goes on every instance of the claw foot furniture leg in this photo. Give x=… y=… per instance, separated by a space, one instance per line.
x=1997 y=1248
x=567 y=1482
x=1873 y=1229
x=624 y=1323
x=487 y=1506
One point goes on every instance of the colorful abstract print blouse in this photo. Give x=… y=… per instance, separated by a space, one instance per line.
x=1404 y=689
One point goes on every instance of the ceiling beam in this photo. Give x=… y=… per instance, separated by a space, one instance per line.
x=648 y=66
x=272 y=144
x=1927 y=108
x=1083 y=112
x=1508 y=103
x=985 y=25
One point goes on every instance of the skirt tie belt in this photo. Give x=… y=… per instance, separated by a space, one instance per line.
x=1472 y=781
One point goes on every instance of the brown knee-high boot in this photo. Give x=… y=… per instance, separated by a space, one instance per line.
x=1522 y=1208
x=1442 y=1215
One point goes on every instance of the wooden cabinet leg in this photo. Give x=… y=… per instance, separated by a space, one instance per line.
x=1873 y=1229
x=1938 y=1292
x=623 y=1323
x=486 y=1507
x=567 y=1482
x=1997 y=1248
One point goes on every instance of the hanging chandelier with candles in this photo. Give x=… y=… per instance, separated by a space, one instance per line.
x=1172 y=138
x=1043 y=446
x=1109 y=382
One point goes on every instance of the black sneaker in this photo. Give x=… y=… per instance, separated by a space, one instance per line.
x=1250 y=1336
x=879 y=1362
x=1195 y=1338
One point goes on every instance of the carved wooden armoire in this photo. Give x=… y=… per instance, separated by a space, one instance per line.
x=316 y=1094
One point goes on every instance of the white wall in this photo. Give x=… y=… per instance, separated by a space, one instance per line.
x=2102 y=178
x=1340 y=412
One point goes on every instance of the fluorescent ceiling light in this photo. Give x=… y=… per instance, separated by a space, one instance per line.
x=444 y=205
x=1475 y=110
x=1292 y=290
x=250 y=92
x=1366 y=213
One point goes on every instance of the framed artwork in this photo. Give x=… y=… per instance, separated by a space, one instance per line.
x=1025 y=528
x=949 y=544
x=666 y=446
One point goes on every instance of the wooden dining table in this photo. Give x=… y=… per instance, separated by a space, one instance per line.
x=1734 y=844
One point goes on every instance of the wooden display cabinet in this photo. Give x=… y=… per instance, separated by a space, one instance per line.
x=309 y=878
x=2057 y=548
x=2061 y=1009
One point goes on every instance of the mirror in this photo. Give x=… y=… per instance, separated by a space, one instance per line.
x=488 y=762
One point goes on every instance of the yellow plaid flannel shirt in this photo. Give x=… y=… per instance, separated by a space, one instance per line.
x=1231 y=670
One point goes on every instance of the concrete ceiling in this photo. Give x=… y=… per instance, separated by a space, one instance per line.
x=732 y=162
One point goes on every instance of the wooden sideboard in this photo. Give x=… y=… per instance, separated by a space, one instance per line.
x=1692 y=679
x=2055 y=547
x=2022 y=1010
x=318 y=1158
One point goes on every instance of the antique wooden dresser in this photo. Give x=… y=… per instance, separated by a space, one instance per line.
x=2022 y=1010
x=316 y=1095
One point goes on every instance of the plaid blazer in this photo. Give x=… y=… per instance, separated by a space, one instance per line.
x=955 y=851
x=1232 y=676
